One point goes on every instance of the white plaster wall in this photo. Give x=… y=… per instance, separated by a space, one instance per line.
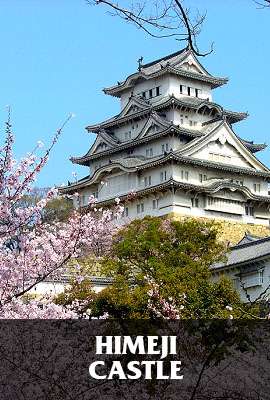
x=255 y=291
x=54 y=288
x=176 y=81
x=169 y=85
x=165 y=206
x=183 y=118
x=145 y=85
x=134 y=127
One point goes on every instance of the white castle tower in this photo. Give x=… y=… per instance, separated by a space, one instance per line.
x=174 y=149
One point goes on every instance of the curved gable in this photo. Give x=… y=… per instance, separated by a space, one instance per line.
x=154 y=124
x=223 y=146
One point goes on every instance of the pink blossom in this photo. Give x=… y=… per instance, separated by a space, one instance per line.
x=31 y=250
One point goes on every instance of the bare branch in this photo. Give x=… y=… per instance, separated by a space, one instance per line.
x=262 y=3
x=160 y=19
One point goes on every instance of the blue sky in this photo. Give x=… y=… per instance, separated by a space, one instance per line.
x=57 y=55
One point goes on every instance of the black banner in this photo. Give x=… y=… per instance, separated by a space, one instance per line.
x=193 y=360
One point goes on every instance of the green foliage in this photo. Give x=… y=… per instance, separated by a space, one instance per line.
x=58 y=209
x=79 y=294
x=174 y=256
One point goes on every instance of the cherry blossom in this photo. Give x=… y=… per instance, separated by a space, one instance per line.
x=31 y=250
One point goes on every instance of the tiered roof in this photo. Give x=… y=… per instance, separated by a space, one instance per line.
x=210 y=188
x=173 y=64
x=166 y=128
x=246 y=254
x=139 y=108
x=185 y=103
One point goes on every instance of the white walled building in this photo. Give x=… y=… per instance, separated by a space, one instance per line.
x=175 y=149
x=248 y=266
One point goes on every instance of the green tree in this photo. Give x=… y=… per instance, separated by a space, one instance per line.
x=58 y=209
x=162 y=268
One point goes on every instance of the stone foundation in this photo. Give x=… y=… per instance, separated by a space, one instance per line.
x=232 y=232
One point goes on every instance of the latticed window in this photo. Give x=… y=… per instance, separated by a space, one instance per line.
x=257 y=187
x=184 y=175
x=155 y=204
x=163 y=176
x=126 y=212
x=195 y=202
x=147 y=180
x=252 y=279
x=140 y=208
x=249 y=210
x=149 y=152
x=165 y=148
x=202 y=177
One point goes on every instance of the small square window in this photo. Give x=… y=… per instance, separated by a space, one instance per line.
x=155 y=204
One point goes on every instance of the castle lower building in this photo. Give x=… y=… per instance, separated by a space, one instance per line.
x=172 y=149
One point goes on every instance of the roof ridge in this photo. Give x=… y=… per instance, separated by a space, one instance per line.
x=240 y=246
x=176 y=53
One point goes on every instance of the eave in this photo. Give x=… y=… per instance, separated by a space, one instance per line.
x=187 y=104
x=172 y=184
x=223 y=167
x=84 y=160
x=129 y=83
x=254 y=147
x=255 y=258
x=163 y=160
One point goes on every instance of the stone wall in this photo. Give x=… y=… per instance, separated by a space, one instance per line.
x=233 y=232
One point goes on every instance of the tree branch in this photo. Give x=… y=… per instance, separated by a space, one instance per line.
x=160 y=19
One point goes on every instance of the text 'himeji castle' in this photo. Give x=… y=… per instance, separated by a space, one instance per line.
x=172 y=149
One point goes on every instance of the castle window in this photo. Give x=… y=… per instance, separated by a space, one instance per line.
x=252 y=280
x=182 y=89
x=150 y=93
x=95 y=194
x=147 y=181
x=257 y=187
x=158 y=91
x=165 y=148
x=198 y=92
x=149 y=152
x=126 y=212
x=184 y=175
x=189 y=91
x=241 y=183
x=195 y=202
x=140 y=208
x=130 y=151
x=202 y=177
x=249 y=211
x=144 y=95
x=220 y=158
x=163 y=176
x=155 y=204
x=83 y=200
x=127 y=135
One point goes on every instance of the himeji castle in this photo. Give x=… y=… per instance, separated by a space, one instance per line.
x=173 y=150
